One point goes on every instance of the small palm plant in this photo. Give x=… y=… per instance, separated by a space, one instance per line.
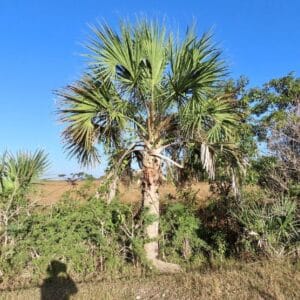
x=17 y=175
x=272 y=228
x=148 y=97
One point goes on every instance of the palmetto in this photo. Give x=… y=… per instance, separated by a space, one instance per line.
x=18 y=172
x=17 y=175
x=147 y=94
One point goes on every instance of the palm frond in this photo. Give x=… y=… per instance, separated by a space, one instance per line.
x=92 y=111
x=136 y=57
x=213 y=120
x=19 y=171
x=195 y=66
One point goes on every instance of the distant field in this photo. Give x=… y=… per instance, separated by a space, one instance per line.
x=49 y=192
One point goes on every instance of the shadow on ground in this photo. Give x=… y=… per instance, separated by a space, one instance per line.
x=58 y=285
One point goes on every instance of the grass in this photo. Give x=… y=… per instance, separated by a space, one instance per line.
x=50 y=192
x=232 y=280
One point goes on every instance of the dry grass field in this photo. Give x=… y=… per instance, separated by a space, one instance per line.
x=261 y=280
x=49 y=192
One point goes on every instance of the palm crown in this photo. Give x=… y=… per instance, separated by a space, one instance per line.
x=147 y=87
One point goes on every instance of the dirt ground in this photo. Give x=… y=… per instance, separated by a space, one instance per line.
x=49 y=192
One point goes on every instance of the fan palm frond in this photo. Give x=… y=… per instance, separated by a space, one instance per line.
x=92 y=110
x=195 y=66
x=19 y=171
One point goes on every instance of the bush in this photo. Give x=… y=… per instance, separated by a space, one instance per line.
x=270 y=228
x=180 y=235
x=92 y=237
x=87 y=237
x=220 y=230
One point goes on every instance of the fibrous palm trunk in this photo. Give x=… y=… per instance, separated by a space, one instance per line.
x=150 y=184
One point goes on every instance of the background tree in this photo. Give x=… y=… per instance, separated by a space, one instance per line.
x=276 y=107
x=147 y=94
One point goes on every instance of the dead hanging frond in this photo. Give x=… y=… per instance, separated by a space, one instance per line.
x=231 y=168
x=235 y=184
x=207 y=159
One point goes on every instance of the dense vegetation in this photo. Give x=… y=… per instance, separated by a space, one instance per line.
x=92 y=237
x=243 y=141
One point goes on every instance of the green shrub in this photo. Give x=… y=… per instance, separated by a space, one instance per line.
x=87 y=237
x=92 y=237
x=180 y=234
x=220 y=229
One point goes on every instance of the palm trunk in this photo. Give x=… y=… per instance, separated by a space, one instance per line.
x=151 y=182
x=112 y=190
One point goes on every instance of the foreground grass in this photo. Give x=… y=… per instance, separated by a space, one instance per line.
x=260 y=280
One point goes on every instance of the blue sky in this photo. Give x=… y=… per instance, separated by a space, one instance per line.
x=41 y=43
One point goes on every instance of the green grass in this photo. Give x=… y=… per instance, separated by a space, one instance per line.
x=232 y=280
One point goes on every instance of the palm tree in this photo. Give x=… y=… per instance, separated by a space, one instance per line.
x=17 y=175
x=145 y=97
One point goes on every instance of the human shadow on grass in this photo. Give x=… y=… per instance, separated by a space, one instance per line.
x=58 y=285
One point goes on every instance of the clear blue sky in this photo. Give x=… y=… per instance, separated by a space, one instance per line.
x=40 y=46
